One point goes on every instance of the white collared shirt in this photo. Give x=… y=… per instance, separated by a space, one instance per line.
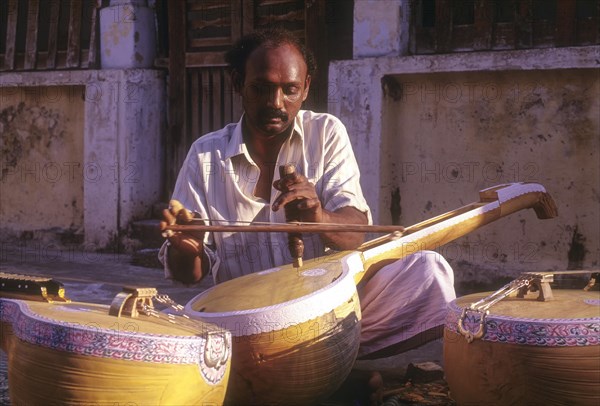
x=218 y=179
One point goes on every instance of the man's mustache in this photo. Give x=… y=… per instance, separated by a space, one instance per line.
x=272 y=113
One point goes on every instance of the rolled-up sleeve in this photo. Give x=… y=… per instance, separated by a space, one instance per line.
x=341 y=178
x=190 y=192
x=210 y=255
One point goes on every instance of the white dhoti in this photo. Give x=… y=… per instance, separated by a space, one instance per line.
x=404 y=299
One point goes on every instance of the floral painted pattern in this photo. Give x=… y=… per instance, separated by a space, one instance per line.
x=95 y=341
x=537 y=332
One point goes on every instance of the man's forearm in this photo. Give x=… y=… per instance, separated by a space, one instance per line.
x=344 y=240
x=186 y=268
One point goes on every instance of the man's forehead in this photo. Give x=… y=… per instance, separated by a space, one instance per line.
x=283 y=56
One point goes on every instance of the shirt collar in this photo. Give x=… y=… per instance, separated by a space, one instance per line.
x=236 y=145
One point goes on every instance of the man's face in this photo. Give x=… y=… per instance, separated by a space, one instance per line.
x=274 y=88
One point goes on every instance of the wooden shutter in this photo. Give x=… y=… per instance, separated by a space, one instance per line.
x=48 y=34
x=441 y=26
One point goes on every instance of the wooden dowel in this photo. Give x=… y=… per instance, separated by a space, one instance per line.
x=285 y=228
x=295 y=242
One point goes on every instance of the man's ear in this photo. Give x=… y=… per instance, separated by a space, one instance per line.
x=306 y=87
x=236 y=81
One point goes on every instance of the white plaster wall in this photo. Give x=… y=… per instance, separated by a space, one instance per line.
x=380 y=135
x=380 y=28
x=41 y=144
x=123 y=124
x=128 y=35
x=451 y=134
x=125 y=120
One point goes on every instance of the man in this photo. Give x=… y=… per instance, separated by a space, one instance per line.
x=232 y=175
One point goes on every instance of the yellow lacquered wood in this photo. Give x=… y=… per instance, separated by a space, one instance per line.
x=491 y=373
x=301 y=364
x=272 y=287
x=237 y=294
x=6 y=337
x=409 y=245
x=497 y=373
x=40 y=376
x=541 y=202
x=257 y=380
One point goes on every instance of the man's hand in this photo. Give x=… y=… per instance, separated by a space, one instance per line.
x=299 y=198
x=301 y=202
x=191 y=242
x=186 y=248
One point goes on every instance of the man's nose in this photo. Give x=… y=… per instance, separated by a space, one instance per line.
x=275 y=97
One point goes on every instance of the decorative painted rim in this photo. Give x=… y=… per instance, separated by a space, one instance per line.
x=537 y=332
x=105 y=343
x=287 y=314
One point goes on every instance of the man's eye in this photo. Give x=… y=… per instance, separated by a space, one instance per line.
x=292 y=90
x=258 y=89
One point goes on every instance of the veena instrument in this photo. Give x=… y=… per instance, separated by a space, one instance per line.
x=64 y=352
x=296 y=329
x=526 y=344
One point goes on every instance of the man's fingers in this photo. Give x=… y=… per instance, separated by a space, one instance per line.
x=288 y=180
x=182 y=214
x=297 y=192
x=296 y=200
x=186 y=243
x=294 y=177
x=175 y=206
x=282 y=200
x=169 y=217
x=307 y=204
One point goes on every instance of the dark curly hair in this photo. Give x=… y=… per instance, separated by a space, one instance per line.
x=237 y=56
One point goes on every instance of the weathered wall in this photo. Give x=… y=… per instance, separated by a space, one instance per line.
x=105 y=134
x=434 y=130
x=380 y=28
x=449 y=135
x=41 y=141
